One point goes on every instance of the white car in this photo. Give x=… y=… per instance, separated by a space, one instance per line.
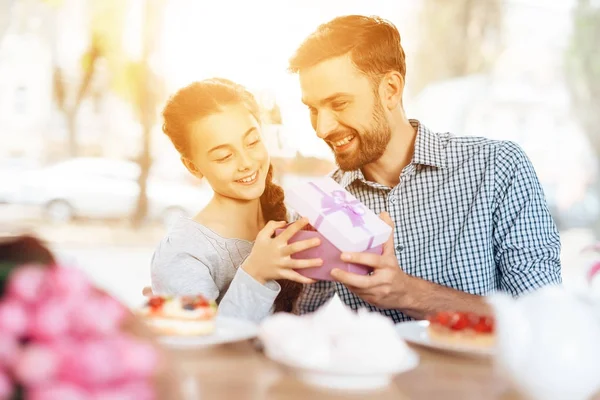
x=106 y=189
x=11 y=169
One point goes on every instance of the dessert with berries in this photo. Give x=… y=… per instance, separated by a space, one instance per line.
x=180 y=315
x=462 y=329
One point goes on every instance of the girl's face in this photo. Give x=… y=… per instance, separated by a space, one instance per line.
x=227 y=149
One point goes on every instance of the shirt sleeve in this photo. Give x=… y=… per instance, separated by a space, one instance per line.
x=526 y=240
x=183 y=274
x=248 y=299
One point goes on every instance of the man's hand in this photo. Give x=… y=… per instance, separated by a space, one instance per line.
x=387 y=286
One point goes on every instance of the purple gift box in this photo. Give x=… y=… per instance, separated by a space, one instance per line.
x=343 y=223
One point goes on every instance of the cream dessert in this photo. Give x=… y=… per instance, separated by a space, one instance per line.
x=185 y=315
x=335 y=339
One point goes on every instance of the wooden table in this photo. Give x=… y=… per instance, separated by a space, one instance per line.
x=239 y=371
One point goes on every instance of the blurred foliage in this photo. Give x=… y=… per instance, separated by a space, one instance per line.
x=582 y=65
x=107 y=22
x=107 y=66
x=120 y=74
x=457 y=38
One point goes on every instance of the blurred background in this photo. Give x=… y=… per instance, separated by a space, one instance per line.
x=84 y=164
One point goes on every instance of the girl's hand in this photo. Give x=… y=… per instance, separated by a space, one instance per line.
x=271 y=259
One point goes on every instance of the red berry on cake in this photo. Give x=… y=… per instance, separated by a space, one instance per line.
x=484 y=325
x=459 y=321
x=461 y=329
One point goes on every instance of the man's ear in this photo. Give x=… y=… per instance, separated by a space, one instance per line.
x=192 y=168
x=392 y=90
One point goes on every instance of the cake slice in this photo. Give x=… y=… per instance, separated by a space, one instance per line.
x=462 y=328
x=180 y=315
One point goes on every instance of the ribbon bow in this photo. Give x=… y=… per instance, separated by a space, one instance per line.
x=338 y=201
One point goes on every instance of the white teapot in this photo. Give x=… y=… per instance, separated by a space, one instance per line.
x=549 y=343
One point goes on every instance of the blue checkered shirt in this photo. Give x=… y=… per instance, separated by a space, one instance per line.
x=469 y=213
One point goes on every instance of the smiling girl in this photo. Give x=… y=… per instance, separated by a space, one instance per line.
x=227 y=252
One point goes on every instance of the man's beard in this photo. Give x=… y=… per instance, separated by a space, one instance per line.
x=371 y=143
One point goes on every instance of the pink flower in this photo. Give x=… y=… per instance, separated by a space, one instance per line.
x=13 y=317
x=38 y=364
x=139 y=359
x=76 y=349
x=25 y=282
x=6 y=387
x=92 y=362
x=58 y=391
x=66 y=282
x=51 y=319
x=9 y=350
x=127 y=391
x=86 y=316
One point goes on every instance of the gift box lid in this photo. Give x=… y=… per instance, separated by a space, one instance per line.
x=347 y=223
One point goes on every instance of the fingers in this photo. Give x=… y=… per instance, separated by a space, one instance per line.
x=388 y=246
x=299 y=264
x=269 y=229
x=296 y=277
x=354 y=280
x=147 y=291
x=369 y=259
x=302 y=245
x=293 y=229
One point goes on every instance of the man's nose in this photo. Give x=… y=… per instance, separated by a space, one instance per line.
x=325 y=124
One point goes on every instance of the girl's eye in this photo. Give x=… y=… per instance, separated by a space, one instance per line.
x=222 y=159
x=253 y=143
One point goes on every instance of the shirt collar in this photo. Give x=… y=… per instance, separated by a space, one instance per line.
x=429 y=150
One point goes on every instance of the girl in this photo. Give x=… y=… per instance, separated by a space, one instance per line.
x=228 y=252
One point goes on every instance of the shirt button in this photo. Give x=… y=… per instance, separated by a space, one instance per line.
x=399 y=248
x=393 y=199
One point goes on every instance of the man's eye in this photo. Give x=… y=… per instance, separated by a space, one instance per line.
x=339 y=105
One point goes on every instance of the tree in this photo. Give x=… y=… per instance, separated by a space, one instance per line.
x=70 y=109
x=146 y=89
x=131 y=79
x=582 y=66
x=105 y=33
x=457 y=38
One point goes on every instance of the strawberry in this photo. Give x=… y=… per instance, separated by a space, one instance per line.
x=459 y=321
x=201 y=301
x=484 y=325
x=443 y=318
x=156 y=302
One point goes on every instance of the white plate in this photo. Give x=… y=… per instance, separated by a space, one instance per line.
x=351 y=378
x=416 y=332
x=227 y=330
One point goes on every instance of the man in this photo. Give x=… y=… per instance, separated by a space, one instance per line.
x=469 y=214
